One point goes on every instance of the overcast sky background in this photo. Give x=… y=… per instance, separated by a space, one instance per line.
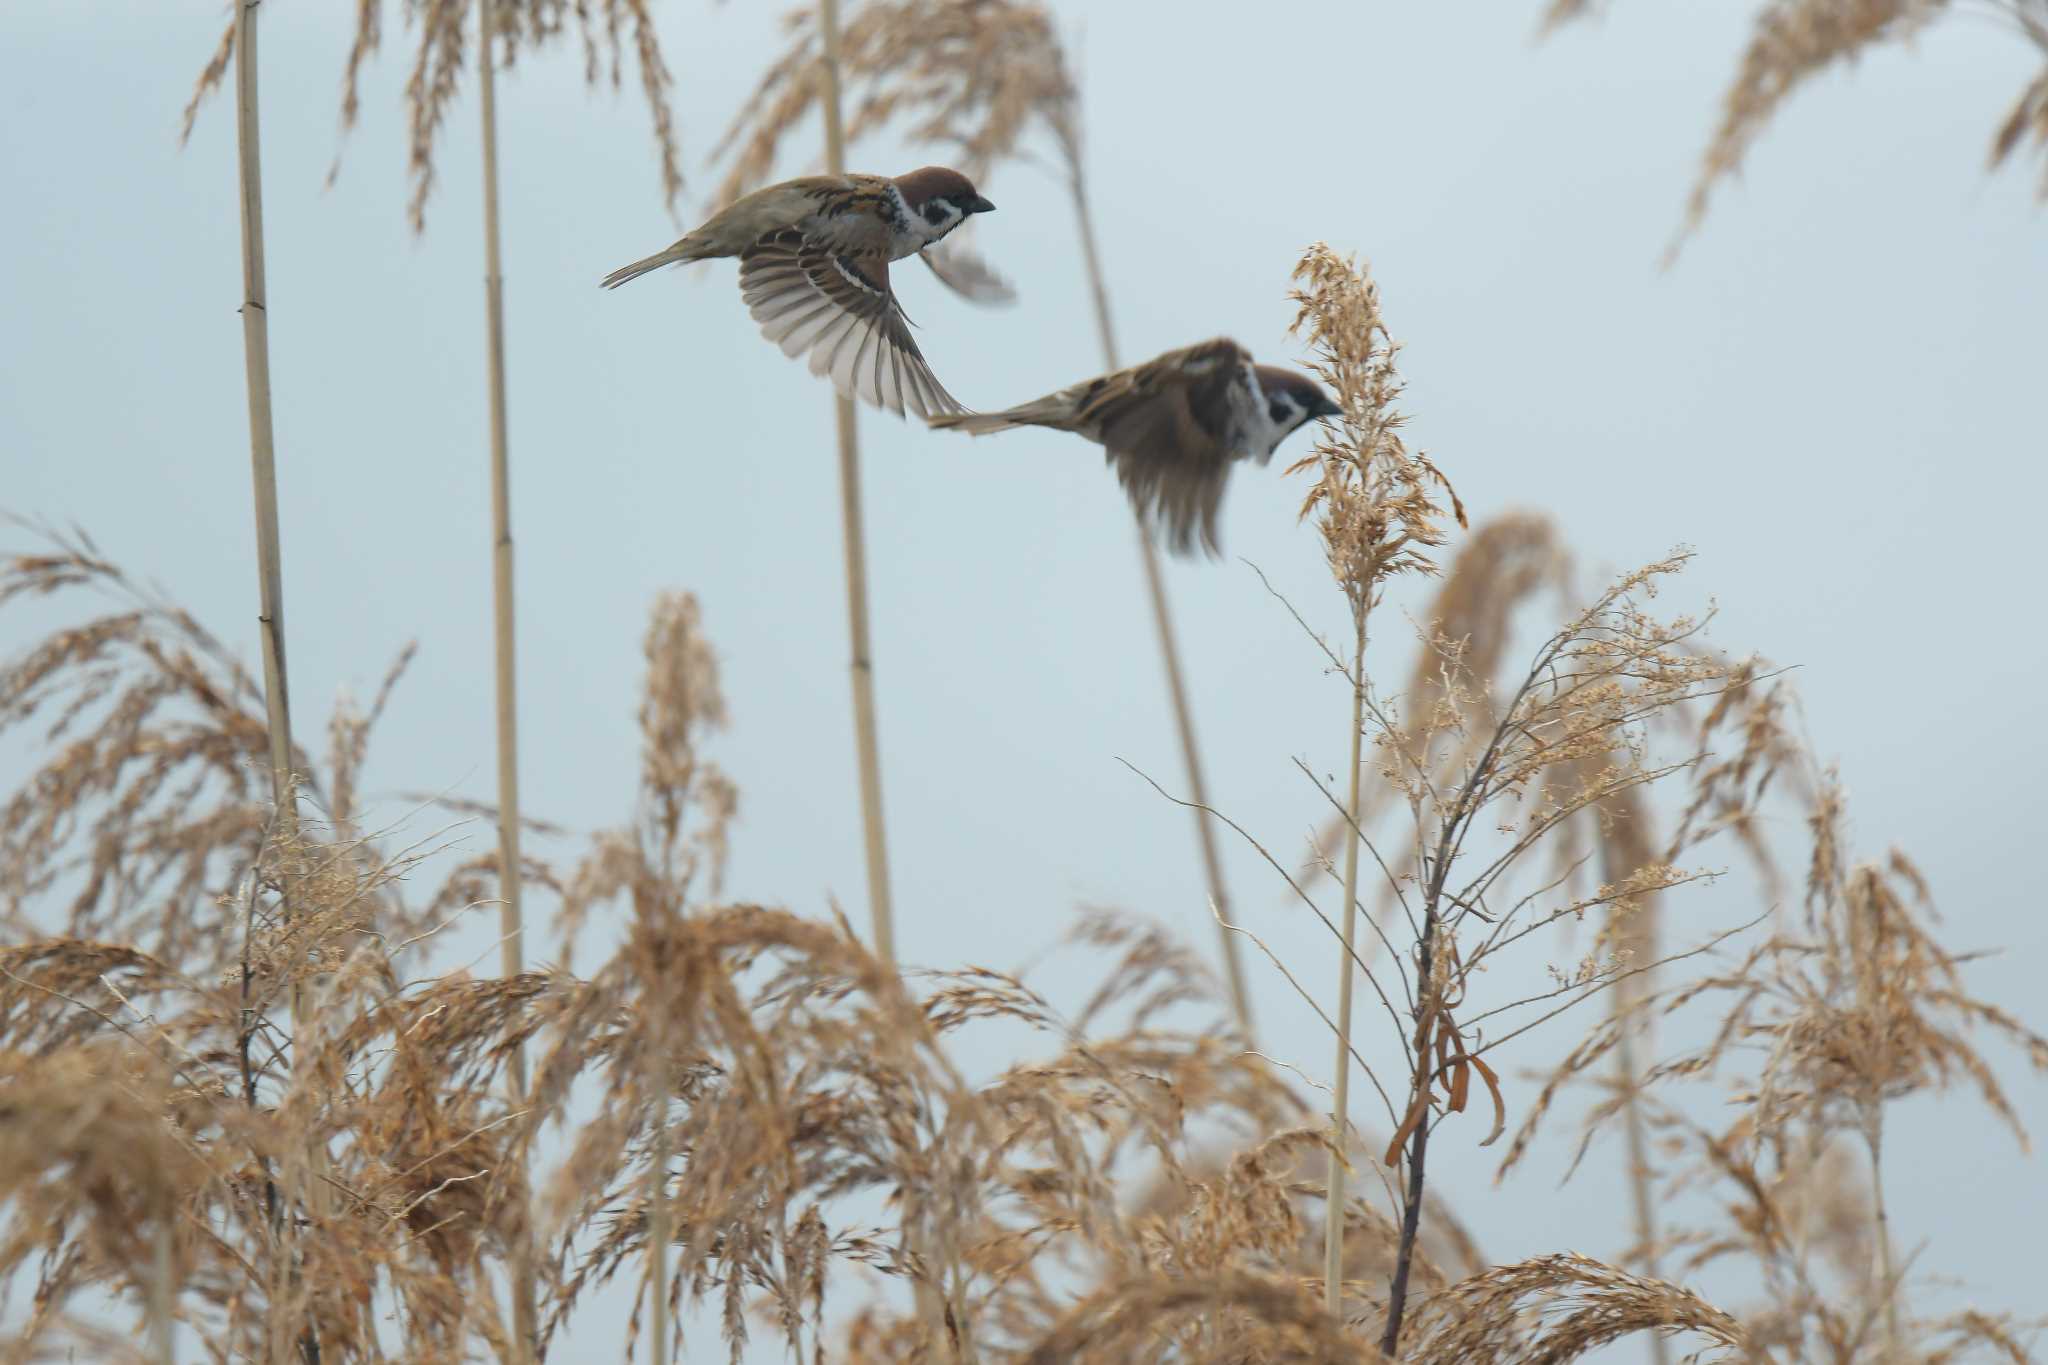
x=1835 y=396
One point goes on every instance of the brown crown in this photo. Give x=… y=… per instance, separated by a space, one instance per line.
x=932 y=182
x=1305 y=391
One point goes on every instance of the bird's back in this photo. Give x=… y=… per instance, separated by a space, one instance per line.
x=770 y=209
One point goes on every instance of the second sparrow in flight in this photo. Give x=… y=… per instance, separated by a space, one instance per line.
x=814 y=269
x=1172 y=428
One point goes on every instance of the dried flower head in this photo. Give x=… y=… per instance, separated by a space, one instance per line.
x=604 y=28
x=1792 y=41
x=972 y=75
x=1377 y=501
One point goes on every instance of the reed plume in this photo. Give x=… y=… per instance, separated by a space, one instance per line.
x=1793 y=41
x=510 y=26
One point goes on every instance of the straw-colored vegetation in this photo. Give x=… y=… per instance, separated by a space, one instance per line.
x=1793 y=41
x=743 y=1122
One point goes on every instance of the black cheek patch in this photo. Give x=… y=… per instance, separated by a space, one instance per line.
x=1277 y=411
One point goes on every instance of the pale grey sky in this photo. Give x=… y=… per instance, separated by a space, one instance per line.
x=1835 y=396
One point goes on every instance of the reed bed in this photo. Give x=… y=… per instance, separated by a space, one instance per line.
x=741 y=1122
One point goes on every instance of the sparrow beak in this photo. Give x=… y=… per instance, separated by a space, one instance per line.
x=980 y=205
x=1325 y=408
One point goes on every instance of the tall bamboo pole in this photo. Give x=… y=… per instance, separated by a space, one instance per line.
x=1162 y=620
x=867 y=744
x=511 y=919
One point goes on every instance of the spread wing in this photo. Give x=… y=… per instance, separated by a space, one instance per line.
x=1172 y=428
x=967 y=273
x=839 y=309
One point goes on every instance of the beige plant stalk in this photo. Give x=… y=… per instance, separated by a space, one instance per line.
x=262 y=443
x=511 y=908
x=660 y=1217
x=1065 y=127
x=1340 y=1103
x=867 y=744
x=255 y=310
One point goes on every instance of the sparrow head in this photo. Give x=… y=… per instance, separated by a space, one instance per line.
x=1291 y=399
x=939 y=200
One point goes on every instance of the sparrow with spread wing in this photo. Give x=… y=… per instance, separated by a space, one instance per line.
x=814 y=269
x=1172 y=428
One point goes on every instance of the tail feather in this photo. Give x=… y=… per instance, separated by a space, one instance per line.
x=685 y=250
x=1050 y=411
x=973 y=423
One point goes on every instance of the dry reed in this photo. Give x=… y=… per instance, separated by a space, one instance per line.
x=1793 y=41
x=510 y=26
x=603 y=28
x=763 y=1112
x=758 y=1096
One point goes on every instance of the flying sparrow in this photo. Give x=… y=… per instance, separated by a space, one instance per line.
x=814 y=269
x=1172 y=427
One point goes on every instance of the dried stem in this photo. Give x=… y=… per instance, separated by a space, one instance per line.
x=660 y=1224
x=263 y=470
x=1418 y=1146
x=511 y=918
x=867 y=744
x=1162 y=619
x=1340 y=1115
x=1881 y=1232
x=1629 y=1072
x=262 y=445
x=163 y=1290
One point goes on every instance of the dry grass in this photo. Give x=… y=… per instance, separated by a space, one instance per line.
x=1793 y=41
x=797 y=1105
x=768 y=1114
x=603 y=29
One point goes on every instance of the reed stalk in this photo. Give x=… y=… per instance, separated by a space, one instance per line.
x=283 y=828
x=660 y=1225
x=511 y=917
x=262 y=441
x=1340 y=1101
x=163 y=1289
x=1162 y=620
x=867 y=744
x=1642 y=1201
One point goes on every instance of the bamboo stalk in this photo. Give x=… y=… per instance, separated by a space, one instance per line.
x=866 y=742
x=1340 y=1104
x=1169 y=647
x=511 y=917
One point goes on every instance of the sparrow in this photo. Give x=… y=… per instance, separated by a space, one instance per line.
x=1172 y=428
x=814 y=257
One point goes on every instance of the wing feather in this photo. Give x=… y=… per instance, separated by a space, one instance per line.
x=1171 y=429
x=839 y=309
